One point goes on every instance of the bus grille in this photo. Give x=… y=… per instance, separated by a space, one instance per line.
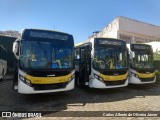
x=49 y=86
x=119 y=82
x=147 y=79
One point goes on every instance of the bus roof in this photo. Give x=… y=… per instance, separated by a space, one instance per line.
x=110 y=38
x=83 y=44
x=78 y=44
x=43 y=30
x=45 y=34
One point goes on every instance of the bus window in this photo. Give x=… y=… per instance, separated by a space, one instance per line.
x=77 y=54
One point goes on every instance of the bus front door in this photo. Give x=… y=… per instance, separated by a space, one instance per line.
x=85 y=65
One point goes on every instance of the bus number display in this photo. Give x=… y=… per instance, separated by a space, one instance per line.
x=106 y=42
x=48 y=35
x=141 y=47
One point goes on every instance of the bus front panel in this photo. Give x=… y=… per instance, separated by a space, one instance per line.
x=142 y=70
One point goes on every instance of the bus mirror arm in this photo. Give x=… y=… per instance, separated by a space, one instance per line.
x=15 y=49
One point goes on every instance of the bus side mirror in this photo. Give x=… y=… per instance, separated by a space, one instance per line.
x=15 y=49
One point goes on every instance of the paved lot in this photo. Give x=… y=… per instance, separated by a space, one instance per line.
x=131 y=98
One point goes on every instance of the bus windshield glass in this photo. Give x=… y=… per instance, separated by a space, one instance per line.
x=106 y=57
x=142 y=59
x=45 y=55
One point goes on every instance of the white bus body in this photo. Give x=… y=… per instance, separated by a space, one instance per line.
x=102 y=63
x=141 y=70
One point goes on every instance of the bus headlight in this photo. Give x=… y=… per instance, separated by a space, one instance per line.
x=26 y=81
x=98 y=78
x=21 y=78
x=71 y=78
x=135 y=75
x=101 y=79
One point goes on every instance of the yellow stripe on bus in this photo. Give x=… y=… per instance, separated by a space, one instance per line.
x=48 y=80
x=145 y=75
x=113 y=77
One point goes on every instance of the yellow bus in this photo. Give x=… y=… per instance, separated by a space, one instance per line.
x=141 y=68
x=101 y=63
x=44 y=61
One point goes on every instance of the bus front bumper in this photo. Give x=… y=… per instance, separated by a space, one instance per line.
x=25 y=89
x=135 y=80
x=94 y=83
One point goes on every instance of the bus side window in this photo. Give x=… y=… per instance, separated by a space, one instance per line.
x=83 y=54
x=77 y=54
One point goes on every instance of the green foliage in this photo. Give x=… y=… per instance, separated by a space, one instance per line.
x=157 y=64
x=158 y=75
x=156 y=56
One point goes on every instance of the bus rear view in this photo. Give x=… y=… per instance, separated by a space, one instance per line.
x=44 y=61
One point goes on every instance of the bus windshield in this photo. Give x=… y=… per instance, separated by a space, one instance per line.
x=45 y=55
x=142 y=59
x=110 y=58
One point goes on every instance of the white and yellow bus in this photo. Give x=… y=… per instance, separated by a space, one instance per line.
x=101 y=63
x=141 y=69
x=44 y=61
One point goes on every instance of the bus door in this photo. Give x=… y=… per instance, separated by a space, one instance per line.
x=15 y=80
x=85 y=64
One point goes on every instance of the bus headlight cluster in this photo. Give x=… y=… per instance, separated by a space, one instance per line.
x=98 y=77
x=71 y=78
x=135 y=75
x=26 y=81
